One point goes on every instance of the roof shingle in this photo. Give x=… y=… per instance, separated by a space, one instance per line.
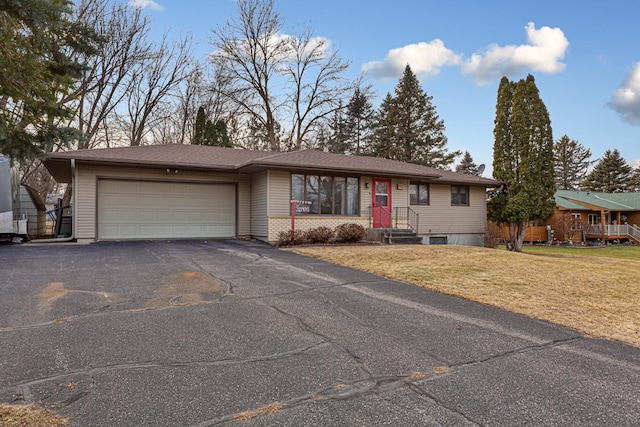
x=219 y=158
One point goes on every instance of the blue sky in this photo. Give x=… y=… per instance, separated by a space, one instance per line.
x=585 y=57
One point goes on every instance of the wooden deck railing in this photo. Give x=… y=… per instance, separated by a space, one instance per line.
x=615 y=230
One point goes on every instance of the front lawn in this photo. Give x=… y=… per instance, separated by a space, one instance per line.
x=593 y=290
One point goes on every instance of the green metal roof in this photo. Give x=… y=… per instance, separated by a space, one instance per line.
x=609 y=201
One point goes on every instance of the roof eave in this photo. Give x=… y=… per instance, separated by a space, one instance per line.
x=253 y=166
x=60 y=169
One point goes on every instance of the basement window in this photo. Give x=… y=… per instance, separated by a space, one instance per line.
x=438 y=240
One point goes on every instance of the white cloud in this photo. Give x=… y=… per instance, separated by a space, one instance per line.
x=142 y=4
x=626 y=100
x=544 y=53
x=425 y=59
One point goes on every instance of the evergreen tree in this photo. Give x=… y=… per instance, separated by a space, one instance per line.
x=200 y=129
x=522 y=159
x=337 y=141
x=634 y=180
x=207 y=132
x=409 y=128
x=258 y=137
x=36 y=38
x=571 y=163
x=359 y=122
x=384 y=132
x=467 y=165
x=610 y=175
x=217 y=134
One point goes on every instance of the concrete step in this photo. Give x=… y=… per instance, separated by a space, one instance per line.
x=402 y=237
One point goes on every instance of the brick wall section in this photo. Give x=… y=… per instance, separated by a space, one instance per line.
x=278 y=224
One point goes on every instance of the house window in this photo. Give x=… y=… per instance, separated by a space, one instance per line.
x=437 y=240
x=327 y=195
x=459 y=195
x=576 y=221
x=593 y=219
x=418 y=194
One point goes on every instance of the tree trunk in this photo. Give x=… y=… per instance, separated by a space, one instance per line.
x=517 y=238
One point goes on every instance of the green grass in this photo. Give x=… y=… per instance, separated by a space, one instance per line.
x=613 y=251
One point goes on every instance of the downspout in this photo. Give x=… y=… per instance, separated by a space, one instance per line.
x=73 y=223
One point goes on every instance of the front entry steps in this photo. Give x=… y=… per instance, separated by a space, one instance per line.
x=402 y=236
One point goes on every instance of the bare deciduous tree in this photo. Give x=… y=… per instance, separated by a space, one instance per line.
x=107 y=80
x=317 y=77
x=276 y=78
x=250 y=52
x=152 y=80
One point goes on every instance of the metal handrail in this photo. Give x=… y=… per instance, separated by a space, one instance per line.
x=399 y=217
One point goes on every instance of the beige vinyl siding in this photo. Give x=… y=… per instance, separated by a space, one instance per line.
x=85 y=213
x=366 y=195
x=243 y=203
x=440 y=217
x=399 y=197
x=259 y=195
x=279 y=193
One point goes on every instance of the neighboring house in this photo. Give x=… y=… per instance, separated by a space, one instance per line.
x=190 y=191
x=587 y=216
x=592 y=215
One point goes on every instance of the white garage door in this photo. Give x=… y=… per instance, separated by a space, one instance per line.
x=153 y=210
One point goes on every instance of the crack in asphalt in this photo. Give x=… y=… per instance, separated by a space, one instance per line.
x=156 y=364
x=375 y=385
x=357 y=389
x=519 y=350
x=429 y=397
x=223 y=299
x=373 y=327
x=326 y=338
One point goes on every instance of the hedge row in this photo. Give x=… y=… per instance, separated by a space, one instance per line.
x=344 y=233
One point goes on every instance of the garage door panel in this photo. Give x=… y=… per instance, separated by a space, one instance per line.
x=147 y=209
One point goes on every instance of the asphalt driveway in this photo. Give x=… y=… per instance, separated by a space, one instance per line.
x=239 y=333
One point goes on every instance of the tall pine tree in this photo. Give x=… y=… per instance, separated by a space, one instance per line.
x=207 y=132
x=634 y=180
x=199 y=132
x=467 y=165
x=337 y=141
x=359 y=122
x=36 y=69
x=571 y=163
x=522 y=159
x=610 y=175
x=409 y=129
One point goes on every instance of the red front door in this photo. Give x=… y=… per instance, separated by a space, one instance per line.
x=381 y=202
